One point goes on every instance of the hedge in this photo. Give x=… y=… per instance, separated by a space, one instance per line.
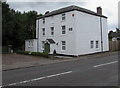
x=23 y=52
x=40 y=54
x=33 y=53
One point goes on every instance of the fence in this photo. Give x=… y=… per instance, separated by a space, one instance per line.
x=114 y=45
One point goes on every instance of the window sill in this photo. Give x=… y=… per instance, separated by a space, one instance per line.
x=63 y=50
x=63 y=34
x=51 y=35
x=43 y=35
x=62 y=20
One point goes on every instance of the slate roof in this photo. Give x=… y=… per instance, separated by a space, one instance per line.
x=70 y=8
x=51 y=41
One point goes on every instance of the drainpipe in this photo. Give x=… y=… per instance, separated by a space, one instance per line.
x=99 y=11
x=38 y=38
x=101 y=34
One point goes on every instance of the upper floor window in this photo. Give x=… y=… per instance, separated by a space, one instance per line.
x=43 y=20
x=97 y=44
x=52 y=30
x=63 y=16
x=43 y=31
x=70 y=29
x=63 y=29
x=63 y=45
x=92 y=44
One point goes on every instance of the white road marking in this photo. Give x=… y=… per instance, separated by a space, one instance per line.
x=36 y=79
x=105 y=64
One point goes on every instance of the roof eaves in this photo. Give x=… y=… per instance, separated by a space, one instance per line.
x=70 y=8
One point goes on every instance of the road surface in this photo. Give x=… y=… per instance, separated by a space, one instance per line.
x=102 y=71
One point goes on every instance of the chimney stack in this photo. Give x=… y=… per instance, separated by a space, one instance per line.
x=99 y=10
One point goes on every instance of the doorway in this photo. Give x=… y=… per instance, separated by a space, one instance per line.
x=47 y=47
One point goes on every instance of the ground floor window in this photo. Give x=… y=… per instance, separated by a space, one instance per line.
x=43 y=44
x=91 y=44
x=30 y=44
x=63 y=45
x=97 y=44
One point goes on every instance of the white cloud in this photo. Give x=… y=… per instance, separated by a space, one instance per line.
x=110 y=7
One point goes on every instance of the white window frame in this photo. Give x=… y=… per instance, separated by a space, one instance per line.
x=31 y=43
x=52 y=30
x=63 y=45
x=42 y=46
x=91 y=44
x=28 y=43
x=63 y=16
x=70 y=29
x=63 y=29
x=43 y=20
x=97 y=44
x=43 y=31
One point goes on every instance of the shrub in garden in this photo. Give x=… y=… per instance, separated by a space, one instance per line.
x=23 y=52
x=40 y=54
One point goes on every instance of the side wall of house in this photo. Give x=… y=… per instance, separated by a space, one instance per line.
x=105 y=35
x=31 y=45
x=56 y=22
x=88 y=29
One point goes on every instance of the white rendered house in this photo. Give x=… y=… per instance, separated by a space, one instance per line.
x=71 y=31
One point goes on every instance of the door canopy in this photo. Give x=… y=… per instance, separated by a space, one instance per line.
x=50 y=41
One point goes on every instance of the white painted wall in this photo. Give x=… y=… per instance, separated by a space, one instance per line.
x=105 y=35
x=88 y=29
x=31 y=45
x=69 y=37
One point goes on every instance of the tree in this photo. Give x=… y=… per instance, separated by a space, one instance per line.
x=7 y=24
x=17 y=26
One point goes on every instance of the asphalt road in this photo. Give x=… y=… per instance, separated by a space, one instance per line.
x=102 y=71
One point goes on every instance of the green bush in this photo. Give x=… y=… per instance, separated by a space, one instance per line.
x=33 y=53
x=40 y=54
x=23 y=52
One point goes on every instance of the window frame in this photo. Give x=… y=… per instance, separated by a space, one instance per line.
x=71 y=29
x=42 y=44
x=63 y=16
x=52 y=30
x=97 y=44
x=43 y=20
x=63 y=29
x=63 y=47
x=91 y=44
x=43 y=31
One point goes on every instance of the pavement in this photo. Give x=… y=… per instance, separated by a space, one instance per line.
x=89 y=70
x=17 y=61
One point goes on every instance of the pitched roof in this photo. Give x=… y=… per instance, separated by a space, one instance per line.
x=71 y=8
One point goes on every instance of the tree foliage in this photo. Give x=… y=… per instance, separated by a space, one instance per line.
x=112 y=34
x=17 y=26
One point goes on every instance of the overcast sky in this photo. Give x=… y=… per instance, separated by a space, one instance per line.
x=110 y=7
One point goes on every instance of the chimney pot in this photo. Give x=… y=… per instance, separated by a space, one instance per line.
x=99 y=10
x=47 y=12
